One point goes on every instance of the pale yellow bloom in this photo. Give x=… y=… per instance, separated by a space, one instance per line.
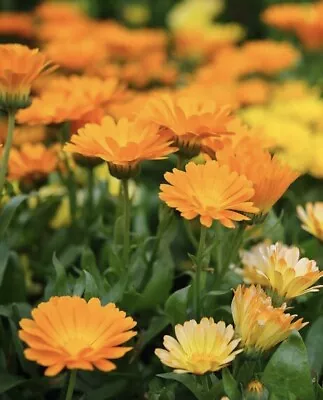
x=312 y=218
x=62 y=218
x=259 y=325
x=200 y=347
x=281 y=270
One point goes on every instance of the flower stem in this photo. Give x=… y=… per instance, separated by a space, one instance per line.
x=199 y=267
x=71 y=385
x=126 y=216
x=7 y=147
x=90 y=194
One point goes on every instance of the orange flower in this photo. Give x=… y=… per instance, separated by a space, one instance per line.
x=78 y=29
x=312 y=218
x=123 y=144
x=19 y=67
x=259 y=325
x=22 y=134
x=253 y=91
x=32 y=162
x=210 y=191
x=189 y=119
x=59 y=11
x=270 y=177
x=76 y=55
x=68 y=332
x=270 y=57
x=19 y=24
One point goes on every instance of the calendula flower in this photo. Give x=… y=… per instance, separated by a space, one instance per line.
x=19 y=67
x=269 y=175
x=210 y=191
x=312 y=218
x=189 y=119
x=281 y=270
x=199 y=347
x=32 y=162
x=123 y=144
x=270 y=57
x=68 y=332
x=19 y=24
x=23 y=134
x=59 y=11
x=253 y=91
x=76 y=55
x=259 y=325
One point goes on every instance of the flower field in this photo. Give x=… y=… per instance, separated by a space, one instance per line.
x=161 y=201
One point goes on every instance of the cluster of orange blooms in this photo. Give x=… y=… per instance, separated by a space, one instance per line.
x=237 y=179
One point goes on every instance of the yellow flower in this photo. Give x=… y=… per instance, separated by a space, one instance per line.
x=255 y=387
x=280 y=269
x=68 y=332
x=195 y=14
x=209 y=191
x=19 y=67
x=259 y=325
x=312 y=218
x=62 y=217
x=200 y=347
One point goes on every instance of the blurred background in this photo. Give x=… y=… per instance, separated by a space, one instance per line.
x=152 y=13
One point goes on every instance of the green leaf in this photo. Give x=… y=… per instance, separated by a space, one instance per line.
x=9 y=211
x=176 y=306
x=13 y=288
x=288 y=370
x=157 y=325
x=4 y=258
x=8 y=381
x=314 y=345
x=187 y=380
x=230 y=385
x=60 y=287
x=91 y=288
x=107 y=391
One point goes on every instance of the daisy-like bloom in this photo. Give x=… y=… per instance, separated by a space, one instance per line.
x=19 y=67
x=210 y=191
x=19 y=24
x=200 y=347
x=32 y=162
x=68 y=332
x=312 y=218
x=281 y=270
x=259 y=325
x=22 y=134
x=123 y=144
x=76 y=55
x=270 y=57
x=269 y=175
x=189 y=119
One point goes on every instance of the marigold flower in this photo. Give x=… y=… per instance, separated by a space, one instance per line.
x=22 y=134
x=189 y=119
x=270 y=57
x=259 y=325
x=280 y=269
x=19 y=24
x=312 y=218
x=200 y=347
x=269 y=175
x=59 y=11
x=253 y=91
x=68 y=332
x=123 y=144
x=19 y=67
x=210 y=191
x=32 y=162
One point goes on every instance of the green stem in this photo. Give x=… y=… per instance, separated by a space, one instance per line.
x=7 y=148
x=199 y=268
x=71 y=385
x=234 y=249
x=126 y=216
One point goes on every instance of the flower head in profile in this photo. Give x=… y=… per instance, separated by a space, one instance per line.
x=259 y=325
x=189 y=119
x=123 y=144
x=281 y=270
x=18 y=24
x=269 y=175
x=68 y=332
x=312 y=218
x=210 y=191
x=199 y=347
x=32 y=162
x=19 y=67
